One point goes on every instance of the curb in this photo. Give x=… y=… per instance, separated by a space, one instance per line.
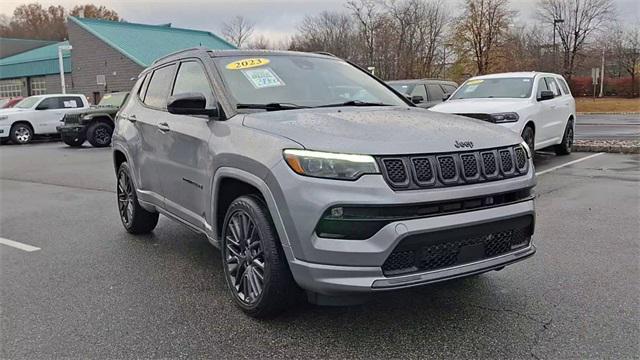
x=608 y=148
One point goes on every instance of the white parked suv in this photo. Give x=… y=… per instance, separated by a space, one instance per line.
x=539 y=106
x=37 y=115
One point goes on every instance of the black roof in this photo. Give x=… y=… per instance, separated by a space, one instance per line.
x=220 y=53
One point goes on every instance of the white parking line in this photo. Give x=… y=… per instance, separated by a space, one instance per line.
x=18 y=245
x=567 y=164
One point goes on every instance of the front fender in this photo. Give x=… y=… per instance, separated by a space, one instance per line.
x=261 y=185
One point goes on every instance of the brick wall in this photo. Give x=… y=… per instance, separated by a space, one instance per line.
x=91 y=57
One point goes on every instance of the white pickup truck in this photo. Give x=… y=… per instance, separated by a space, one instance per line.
x=37 y=115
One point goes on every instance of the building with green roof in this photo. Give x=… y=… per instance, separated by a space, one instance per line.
x=106 y=57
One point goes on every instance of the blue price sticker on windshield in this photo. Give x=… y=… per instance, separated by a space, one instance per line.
x=262 y=78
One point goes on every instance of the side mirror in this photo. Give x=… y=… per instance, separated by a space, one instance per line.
x=417 y=99
x=546 y=95
x=446 y=97
x=190 y=104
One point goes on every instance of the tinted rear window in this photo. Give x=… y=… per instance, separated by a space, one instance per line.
x=159 y=86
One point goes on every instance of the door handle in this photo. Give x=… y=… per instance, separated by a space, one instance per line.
x=131 y=118
x=163 y=126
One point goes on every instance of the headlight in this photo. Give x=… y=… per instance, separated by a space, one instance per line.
x=504 y=117
x=526 y=149
x=330 y=165
x=4 y=117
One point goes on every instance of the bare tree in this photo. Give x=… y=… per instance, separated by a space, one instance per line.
x=626 y=51
x=581 y=19
x=480 y=29
x=329 y=31
x=96 y=12
x=237 y=31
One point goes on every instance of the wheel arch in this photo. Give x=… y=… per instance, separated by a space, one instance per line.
x=119 y=157
x=26 y=122
x=103 y=118
x=250 y=184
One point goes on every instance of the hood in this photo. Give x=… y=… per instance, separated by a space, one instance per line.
x=10 y=111
x=379 y=130
x=95 y=109
x=481 y=106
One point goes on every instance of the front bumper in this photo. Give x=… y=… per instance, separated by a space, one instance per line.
x=72 y=130
x=336 y=279
x=4 y=131
x=337 y=266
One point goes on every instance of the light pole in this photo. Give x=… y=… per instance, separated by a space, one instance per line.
x=555 y=50
x=62 y=48
x=444 y=60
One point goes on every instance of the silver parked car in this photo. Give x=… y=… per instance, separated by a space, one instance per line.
x=312 y=175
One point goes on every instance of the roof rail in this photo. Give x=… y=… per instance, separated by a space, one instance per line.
x=324 y=53
x=177 y=52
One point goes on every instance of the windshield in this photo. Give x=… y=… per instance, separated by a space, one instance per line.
x=114 y=99
x=403 y=88
x=3 y=102
x=300 y=81
x=495 y=88
x=28 y=103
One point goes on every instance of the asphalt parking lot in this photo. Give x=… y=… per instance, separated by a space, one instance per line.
x=94 y=291
x=608 y=127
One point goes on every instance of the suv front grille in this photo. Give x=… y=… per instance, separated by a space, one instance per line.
x=484 y=117
x=439 y=170
x=71 y=118
x=437 y=250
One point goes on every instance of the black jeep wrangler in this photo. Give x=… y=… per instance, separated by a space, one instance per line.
x=95 y=124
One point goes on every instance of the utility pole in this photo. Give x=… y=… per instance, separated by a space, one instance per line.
x=602 y=74
x=62 y=48
x=555 y=48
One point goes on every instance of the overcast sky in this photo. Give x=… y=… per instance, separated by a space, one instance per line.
x=276 y=19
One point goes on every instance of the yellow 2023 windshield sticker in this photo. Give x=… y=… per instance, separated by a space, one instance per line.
x=247 y=63
x=474 y=82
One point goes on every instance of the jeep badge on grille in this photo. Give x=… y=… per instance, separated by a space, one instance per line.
x=463 y=144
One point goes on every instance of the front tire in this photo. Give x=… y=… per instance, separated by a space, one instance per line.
x=99 y=134
x=21 y=134
x=255 y=266
x=134 y=217
x=564 y=148
x=73 y=141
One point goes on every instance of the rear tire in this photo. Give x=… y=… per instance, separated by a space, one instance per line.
x=564 y=148
x=134 y=217
x=73 y=141
x=255 y=267
x=529 y=136
x=99 y=134
x=21 y=134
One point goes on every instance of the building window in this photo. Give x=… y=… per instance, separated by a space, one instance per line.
x=38 y=86
x=10 y=88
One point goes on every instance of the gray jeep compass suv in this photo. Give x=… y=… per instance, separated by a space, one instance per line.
x=312 y=175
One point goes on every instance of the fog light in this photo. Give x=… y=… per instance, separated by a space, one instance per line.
x=337 y=212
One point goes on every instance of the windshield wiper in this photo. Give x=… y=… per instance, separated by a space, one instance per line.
x=272 y=106
x=354 y=103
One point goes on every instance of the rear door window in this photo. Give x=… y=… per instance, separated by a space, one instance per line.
x=435 y=92
x=70 y=102
x=159 y=85
x=564 y=86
